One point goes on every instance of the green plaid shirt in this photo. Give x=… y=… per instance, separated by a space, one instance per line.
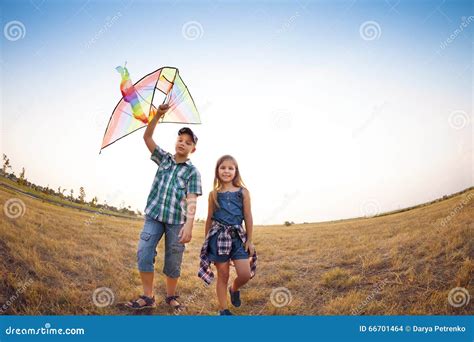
x=167 y=199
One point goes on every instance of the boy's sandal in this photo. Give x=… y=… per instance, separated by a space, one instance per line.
x=149 y=303
x=170 y=299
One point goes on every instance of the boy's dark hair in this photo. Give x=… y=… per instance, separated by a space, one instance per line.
x=188 y=131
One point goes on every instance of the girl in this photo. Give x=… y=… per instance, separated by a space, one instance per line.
x=226 y=239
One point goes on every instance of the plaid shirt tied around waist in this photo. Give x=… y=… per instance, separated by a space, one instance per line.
x=224 y=246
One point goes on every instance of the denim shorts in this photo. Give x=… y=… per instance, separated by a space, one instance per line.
x=237 y=251
x=150 y=237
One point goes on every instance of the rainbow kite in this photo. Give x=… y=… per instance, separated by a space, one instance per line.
x=137 y=106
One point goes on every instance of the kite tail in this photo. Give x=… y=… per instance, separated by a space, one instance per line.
x=130 y=95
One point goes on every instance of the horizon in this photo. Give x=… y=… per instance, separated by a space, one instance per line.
x=202 y=220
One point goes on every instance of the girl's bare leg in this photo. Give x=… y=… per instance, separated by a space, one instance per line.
x=242 y=267
x=222 y=281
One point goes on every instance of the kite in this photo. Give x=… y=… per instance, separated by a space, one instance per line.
x=137 y=106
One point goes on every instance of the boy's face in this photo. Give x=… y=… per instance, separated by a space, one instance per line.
x=184 y=145
x=226 y=171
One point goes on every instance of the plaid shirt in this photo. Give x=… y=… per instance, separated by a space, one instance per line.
x=167 y=199
x=224 y=246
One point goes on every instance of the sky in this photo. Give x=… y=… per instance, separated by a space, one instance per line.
x=333 y=109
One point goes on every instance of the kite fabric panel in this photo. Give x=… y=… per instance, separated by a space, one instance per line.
x=136 y=108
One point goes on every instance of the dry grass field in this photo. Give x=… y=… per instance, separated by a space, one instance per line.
x=52 y=259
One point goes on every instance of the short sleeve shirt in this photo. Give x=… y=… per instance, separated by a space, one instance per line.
x=173 y=181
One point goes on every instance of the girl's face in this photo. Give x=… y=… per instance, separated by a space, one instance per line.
x=226 y=171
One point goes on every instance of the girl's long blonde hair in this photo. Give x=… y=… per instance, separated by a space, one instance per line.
x=237 y=181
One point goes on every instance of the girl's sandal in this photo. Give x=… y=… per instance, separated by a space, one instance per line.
x=145 y=303
x=176 y=307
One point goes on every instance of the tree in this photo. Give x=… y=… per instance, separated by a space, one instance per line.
x=6 y=164
x=82 y=194
x=94 y=201
x=21 y=180
x=72 y=194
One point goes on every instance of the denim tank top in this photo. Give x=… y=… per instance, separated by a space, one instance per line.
x=230 y=209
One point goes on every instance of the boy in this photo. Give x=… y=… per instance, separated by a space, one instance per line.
x=170 y=210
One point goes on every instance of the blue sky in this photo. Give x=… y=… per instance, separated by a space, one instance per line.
x=327 y=119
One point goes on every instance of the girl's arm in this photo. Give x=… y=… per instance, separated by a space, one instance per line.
x=210 y=211
x=248 y=215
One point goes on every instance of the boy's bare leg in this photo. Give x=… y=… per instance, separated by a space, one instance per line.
x=171 y=284
x=147 y=282
x=222 y=281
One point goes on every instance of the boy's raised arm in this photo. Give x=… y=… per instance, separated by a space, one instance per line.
x=148 y=135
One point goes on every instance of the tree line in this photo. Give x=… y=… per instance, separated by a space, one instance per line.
x=63 y=192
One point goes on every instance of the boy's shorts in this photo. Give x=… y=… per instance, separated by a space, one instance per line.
x=237 y=251
x=150 y=237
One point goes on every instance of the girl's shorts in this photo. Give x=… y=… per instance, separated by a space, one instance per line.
x=237 y=251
